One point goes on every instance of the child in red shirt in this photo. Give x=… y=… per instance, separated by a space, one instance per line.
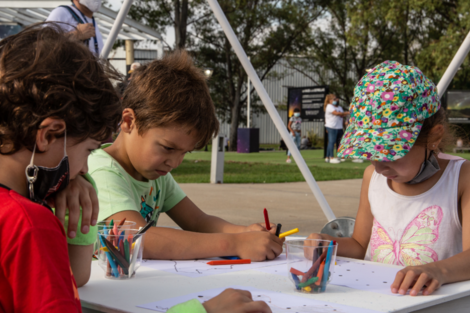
x=56 y=105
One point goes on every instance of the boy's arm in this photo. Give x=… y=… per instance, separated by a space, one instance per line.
x=80 y=258
x=189 y=217
x=168 y=243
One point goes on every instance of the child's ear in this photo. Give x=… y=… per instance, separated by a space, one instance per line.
x=435 y=136
x=48 y=132
x=128 y=120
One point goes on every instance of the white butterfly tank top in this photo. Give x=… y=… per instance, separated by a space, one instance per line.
x=414 y=230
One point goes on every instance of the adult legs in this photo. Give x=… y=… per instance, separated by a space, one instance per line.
x=331 y=141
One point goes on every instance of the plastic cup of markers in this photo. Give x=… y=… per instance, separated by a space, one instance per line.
x=310 y=264
x=104 y=225
x=120 y=255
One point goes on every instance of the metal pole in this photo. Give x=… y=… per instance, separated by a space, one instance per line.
x=219 y=14
x=454 y=66
x=249 y=101
x=126 y=5
x=129 y=56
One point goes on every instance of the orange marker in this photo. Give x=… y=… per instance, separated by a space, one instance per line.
x=229 y=262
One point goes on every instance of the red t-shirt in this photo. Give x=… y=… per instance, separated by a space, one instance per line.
x=35 y=273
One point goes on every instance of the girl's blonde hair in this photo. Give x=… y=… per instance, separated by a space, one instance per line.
x=328 y=99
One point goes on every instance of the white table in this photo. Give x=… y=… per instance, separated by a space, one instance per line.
x=104 y=295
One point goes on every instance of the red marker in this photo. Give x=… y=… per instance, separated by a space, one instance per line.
x=266 y=219
x=230 y=262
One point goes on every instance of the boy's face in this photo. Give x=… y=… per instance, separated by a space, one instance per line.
x=159 y=150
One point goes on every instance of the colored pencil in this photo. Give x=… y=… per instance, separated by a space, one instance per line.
x=266 y=219
x=229 y=262
x=288 y=233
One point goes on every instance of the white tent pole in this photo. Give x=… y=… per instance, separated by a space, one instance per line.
x=126 y=5
x=219 y=14
x=454 y=66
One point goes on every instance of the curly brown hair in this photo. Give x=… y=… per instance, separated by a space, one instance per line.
x=172 y=91
x=46 y=73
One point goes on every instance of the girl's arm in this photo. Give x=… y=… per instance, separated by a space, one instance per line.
x=456 y=268
x=288 y=126
x=356 y=246
x=80 y=258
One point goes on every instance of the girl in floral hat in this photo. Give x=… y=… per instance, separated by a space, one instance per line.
x=414 y=208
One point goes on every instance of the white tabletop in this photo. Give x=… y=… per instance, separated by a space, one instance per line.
x=150 y=285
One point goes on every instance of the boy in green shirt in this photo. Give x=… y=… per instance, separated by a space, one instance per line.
x=167 y=113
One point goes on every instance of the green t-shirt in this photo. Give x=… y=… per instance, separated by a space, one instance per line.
x=82 y=239
x=119 y=191
x=191 y=306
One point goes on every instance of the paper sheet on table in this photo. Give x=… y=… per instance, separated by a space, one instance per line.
x=364 y=276
x=278 y=302
x=199 y=268
x=353 y=274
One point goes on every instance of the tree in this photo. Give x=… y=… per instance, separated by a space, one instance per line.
x=268 y=30
x=357 y=37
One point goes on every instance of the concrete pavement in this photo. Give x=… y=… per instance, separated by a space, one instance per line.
x=291 y=204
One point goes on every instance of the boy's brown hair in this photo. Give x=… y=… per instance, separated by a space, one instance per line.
x=47 y=73
x=172 y=91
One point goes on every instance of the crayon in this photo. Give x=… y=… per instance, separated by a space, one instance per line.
x=288 y=233
x=296 y=272
x=111 y=224
x=229 y=262
x=126 y=250
x=309 y=282
x=266 y=219
x=117 y=256
x=122 y=222
x=327 y=266
x=110 y=259
x=278 y=229
x=320 y=273
x=296 y=281
x=315 y=265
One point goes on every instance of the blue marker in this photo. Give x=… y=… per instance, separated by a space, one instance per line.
x=110 y=259
x=326 y=270
x=230 y=257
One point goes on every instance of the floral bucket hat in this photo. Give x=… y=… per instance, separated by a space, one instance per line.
x=389 y=107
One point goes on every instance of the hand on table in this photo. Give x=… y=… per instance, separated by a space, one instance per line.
x=428 y=277
x=258 y=246
x=79 y=193
x=235 y=301
x=260 y=227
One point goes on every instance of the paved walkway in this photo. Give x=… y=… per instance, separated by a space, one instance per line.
x=291 y=204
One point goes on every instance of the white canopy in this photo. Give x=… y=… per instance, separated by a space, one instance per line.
x=27 y=12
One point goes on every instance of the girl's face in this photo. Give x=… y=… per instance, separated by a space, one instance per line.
x=404 y=169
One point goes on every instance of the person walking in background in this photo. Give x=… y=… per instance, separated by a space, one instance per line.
x=334 y=125
x=294 y=127
x=78 y=20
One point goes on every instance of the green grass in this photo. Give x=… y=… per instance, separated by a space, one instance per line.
x=264 y=167
x=267 y=167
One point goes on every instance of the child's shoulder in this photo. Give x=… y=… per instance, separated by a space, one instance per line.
x=101 y=160
x=21 y=214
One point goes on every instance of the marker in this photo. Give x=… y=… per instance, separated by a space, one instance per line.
x=288 y=233
x=230 y=257
x=278 y=230
x=229 y=262
x=266 y=219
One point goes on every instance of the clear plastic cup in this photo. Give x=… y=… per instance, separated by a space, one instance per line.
x=120 y=255
x=310 y=264
x=105 y=224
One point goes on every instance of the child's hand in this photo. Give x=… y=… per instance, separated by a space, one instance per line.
x=429 y=276
x=235 y=301
x=260 y=227
x=258 y=246
x=79 y=193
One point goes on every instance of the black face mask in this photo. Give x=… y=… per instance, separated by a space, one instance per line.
x=44 y=181
x=429 y=167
